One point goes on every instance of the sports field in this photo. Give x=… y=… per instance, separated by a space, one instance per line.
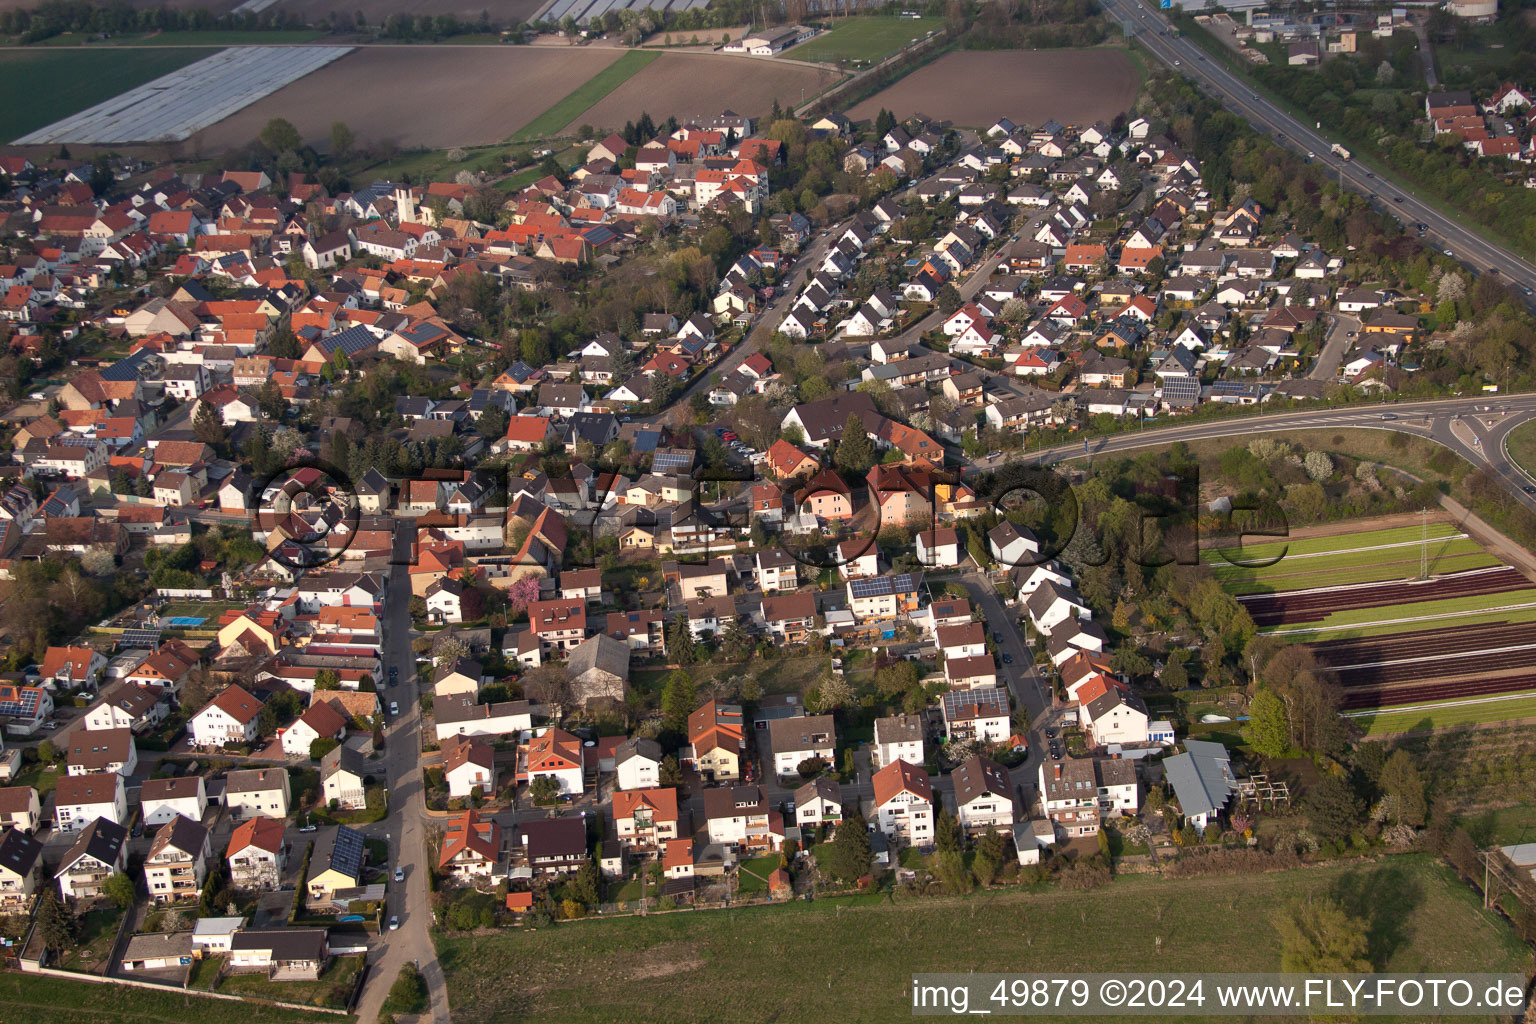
x=76 y=80
x=799 y=961
x=869 y=40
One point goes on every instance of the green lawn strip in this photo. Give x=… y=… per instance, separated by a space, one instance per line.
x=687 y=966
x=553 y=121
x=77 y=79
x=1364 y=574
x=1296 y=564
x=1449 y=607
x=1342 y=542
x=866 y=39
x=1512 y=616
x=1416 y=718
x=61 y=1001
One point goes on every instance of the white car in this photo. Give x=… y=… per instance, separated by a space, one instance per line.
x=394 y=922
x=399 y=874
x=394 y=708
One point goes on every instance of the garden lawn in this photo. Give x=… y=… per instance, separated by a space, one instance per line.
x=690 y=965
x=753 y=874
x=58 y=1001
x=864 y=39
x=585 y=97
x=77 y=79
x=330 y=990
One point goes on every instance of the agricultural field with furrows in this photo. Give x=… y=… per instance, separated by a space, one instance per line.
x=1417 y=615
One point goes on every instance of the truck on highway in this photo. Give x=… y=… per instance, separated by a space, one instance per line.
x=1340 y=150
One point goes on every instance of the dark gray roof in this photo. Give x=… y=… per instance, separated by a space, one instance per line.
x=1201 y=777
x=19 y=851
x=101 y=839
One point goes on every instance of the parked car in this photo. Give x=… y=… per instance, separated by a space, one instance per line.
x=399 y=874
x=394 y=708
x=394 y=922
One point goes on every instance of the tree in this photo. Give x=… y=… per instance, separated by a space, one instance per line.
x=327 y=679
x=946 y=832
x=342 y=140
x=1404 y=784
x=1317 y=936
x=949 y=865
x=680 y=645
x=46 y=752
x=855 y=451
x=207 y=425
x=884 y=122
x=544 y=789
x=119 y=889
x=1333 y=809
x=409 y=992
x=848 y=857
x=54 y=928
x=949 y=299
x=991 y=854
x=1267 y=731
x=322 y=745
x=678 y=699
x=280 y=136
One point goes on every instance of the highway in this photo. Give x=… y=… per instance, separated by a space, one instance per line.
x=1148 y=26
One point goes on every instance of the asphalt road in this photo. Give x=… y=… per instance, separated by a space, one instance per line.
x=406 y=825
x=1341 y=334
x=1477 y=429
x=1147 y=25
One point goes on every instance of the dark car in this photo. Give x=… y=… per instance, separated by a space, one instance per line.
x=1007 y=658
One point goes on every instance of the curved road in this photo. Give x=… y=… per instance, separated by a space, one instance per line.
x=1148 y=27
x=1477 y=429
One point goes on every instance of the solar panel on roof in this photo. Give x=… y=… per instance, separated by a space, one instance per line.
x=347 y=853
x=671 y=458
x=139 y=638
x=872 y=587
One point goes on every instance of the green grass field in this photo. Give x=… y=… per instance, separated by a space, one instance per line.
x=1366 y=573
x=30 y=997
x=1343 y=542
x=553 y=121
x=795 y=962
x=77 y=79
x=1418 y=718
x=869 y=39
x=1522 y=446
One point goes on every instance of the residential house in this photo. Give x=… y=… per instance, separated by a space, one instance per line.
x=81 y=799
x=471 y=847
x=904 y=803
x=100 y=852
x=799 y=739
x=716 y=741
x=252 y=792
x=983 y=796
x=178 y=861
x=257 y=854
x=343 y=777
x=898 y=738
